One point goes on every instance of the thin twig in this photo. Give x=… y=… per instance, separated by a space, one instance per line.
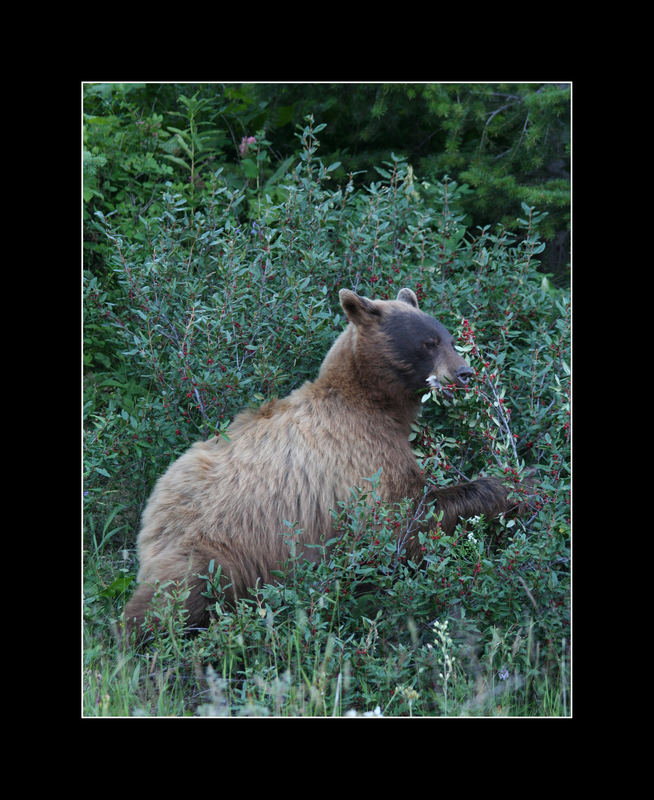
x=529 y=594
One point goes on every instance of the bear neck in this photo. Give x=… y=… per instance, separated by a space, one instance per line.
x=365 y=386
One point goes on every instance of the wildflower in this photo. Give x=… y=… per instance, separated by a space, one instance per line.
x=376 y=713
x=503 y=674
x=410 y=694
x=245 y=142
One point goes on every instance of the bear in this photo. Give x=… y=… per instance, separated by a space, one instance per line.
x=292 y=460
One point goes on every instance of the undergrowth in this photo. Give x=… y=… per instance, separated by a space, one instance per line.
x=207 y=306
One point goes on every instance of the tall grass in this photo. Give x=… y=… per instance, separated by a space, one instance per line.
x=324 y=644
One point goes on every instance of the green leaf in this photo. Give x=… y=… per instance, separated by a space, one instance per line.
x=279 y=173
x=117 y=587
x=177 y=131
x=185 y=147
x=176 y=160
x=249 y=168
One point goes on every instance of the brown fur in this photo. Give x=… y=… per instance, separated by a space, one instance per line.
x=294 y=459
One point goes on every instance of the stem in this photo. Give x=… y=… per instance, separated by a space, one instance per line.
x=501 y=416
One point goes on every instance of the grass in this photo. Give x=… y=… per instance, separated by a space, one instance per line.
x=270 y=658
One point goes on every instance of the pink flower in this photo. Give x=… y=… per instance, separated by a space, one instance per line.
x=245 y=141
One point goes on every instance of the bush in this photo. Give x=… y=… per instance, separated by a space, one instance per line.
x=209 y=310
x=510 y=143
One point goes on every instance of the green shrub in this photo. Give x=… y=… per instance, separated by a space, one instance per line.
x=207 y=313
x=510 y=143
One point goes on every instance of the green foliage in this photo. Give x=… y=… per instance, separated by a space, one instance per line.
x=222 y=295
x=509 y=142
x=140 y=137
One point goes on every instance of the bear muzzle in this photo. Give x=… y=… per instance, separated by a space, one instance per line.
x=460 y=377
x=463 y=375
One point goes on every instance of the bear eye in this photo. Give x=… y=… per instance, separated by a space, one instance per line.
x=431 y=344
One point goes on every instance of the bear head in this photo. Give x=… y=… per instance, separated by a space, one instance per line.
x=399 y=345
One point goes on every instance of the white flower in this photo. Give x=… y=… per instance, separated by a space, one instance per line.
x=376 y=713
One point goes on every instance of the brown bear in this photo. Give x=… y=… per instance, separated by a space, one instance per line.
x=293 y=460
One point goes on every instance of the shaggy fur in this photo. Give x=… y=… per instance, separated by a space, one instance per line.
x=294 y=459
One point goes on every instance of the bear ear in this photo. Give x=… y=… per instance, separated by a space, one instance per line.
x=357 y=309
x=408 y=296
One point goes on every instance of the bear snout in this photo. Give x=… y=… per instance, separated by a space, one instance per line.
x=459 y=375
x=463 y=375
